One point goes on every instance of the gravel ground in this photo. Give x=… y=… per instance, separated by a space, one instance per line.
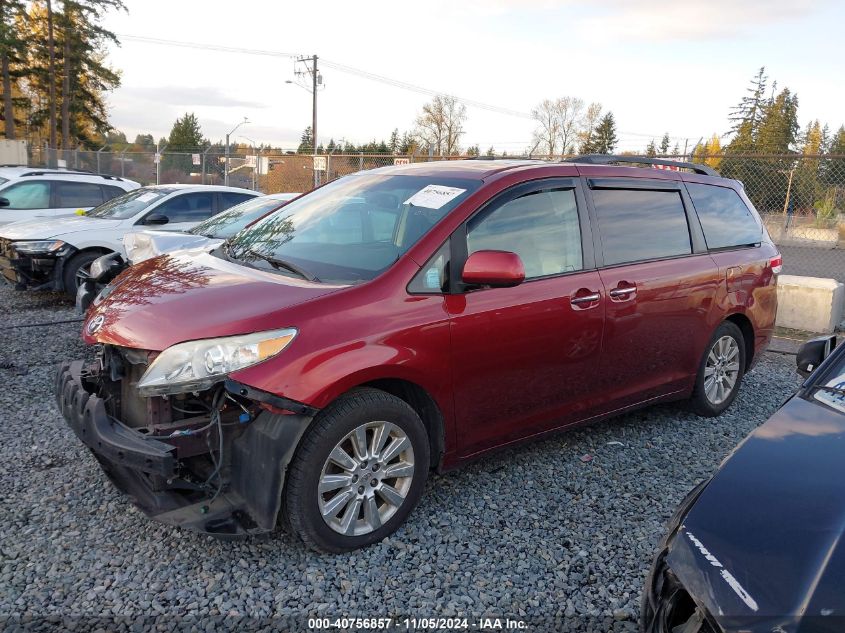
x=535 y=533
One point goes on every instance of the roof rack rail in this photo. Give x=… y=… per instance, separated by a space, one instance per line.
x=69 y=172
x=608 y=159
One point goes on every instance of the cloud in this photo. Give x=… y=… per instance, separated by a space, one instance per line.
x=658 y=20
x=189 y=96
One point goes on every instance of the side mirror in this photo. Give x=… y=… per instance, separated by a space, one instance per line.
x=813 y=352
x=493 y=268
x=4 y=202
x=156 y=218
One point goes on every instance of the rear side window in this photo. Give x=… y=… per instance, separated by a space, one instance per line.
x=77 y=194
x=637 y=225
x=541 y=227
x=725 y=219
x=110 y=191
x=230 y=199
x=187 y=207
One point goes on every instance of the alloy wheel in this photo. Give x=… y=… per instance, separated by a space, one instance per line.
x=721 y=370
x=366 y=478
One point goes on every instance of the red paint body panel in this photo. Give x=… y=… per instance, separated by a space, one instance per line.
x=500 y=363
x=655 y=335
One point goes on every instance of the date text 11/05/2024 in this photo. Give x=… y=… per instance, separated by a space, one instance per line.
x=418 y=624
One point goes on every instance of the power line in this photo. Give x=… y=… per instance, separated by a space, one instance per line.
x=351 y=70
x=335 y=65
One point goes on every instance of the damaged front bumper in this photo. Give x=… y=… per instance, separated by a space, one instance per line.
x=158 y=469
x=37 y=271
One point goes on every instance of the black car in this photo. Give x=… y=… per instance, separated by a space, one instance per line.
x=759 y=547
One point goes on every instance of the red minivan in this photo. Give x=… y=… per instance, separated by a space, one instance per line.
x=321 y=362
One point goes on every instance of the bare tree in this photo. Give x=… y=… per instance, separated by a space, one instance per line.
x=588 y=128
x=441 y=124
x=570 y=112
x=547 y=134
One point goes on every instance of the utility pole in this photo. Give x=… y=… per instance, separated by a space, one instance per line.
x=312 y=69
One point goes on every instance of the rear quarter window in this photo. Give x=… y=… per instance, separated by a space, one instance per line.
x=725 y=219
x=638 y=225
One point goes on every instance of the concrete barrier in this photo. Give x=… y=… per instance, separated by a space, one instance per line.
x=810 y=303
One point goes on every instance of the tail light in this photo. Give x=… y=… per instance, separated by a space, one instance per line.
x=776 y=264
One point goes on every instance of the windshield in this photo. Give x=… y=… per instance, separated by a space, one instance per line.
x=2 y=180
x=351 y=230
x=832 y=390
x=225 y=225
x=129 y=204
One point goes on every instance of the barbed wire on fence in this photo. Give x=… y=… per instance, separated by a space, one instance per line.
x=792 y=192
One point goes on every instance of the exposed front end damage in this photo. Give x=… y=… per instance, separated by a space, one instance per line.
x=212 y=461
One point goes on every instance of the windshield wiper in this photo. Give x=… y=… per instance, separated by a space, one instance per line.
x=835 y=390
x=283 y=263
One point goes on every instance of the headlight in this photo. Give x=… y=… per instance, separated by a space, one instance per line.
x=36 y=247
x=197 y=365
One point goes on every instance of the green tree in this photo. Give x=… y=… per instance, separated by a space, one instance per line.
x=664 y=144
x=651 y=149
x=394 y=142
x=605 y=135
x=185 y=138
x=12 y=55
x=747 y=115
x=68 y=70
x=306 y=142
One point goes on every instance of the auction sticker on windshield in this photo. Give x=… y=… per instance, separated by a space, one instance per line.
x=434 y=196
x=832 y=398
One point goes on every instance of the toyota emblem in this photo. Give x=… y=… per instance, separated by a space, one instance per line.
x=95 y=324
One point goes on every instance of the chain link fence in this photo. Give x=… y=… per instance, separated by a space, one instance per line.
x=801 y=198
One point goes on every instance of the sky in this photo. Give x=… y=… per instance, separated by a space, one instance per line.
x=675 y=66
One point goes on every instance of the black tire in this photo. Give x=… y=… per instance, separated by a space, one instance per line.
x=700 y=403
x=332 y=425
x=73 y=266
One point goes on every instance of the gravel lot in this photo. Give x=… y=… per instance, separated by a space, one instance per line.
x=534 y=533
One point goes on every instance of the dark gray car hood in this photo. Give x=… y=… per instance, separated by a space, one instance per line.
x=762 y=546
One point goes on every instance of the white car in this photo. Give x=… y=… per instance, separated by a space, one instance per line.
x=55 y=253
x=27 y=193
x=141 y=245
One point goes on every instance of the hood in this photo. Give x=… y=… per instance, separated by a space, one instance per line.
x=186 y=295
x=763 y=542
x=143 y=245
x=46 y=228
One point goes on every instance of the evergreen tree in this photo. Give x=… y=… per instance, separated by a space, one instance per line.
x=605 y=135
x=144 y=142
x=748 y=114
x=306 y=142
x=778 y=130
x=651 y=149
x=395 y=142
x=12 y=54
x=664 y=144
x=473 y=150
x=491 y=151
x=185 y=139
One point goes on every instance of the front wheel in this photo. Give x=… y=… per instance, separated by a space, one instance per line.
x=359 y=472
x=720 y=371
x=76 y=271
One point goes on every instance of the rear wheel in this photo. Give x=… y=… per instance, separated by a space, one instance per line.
x=720 y=371
x=76 y=270
x=359 y=472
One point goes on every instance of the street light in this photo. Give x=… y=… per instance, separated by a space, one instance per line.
x=255 y=167
x=226 y=171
